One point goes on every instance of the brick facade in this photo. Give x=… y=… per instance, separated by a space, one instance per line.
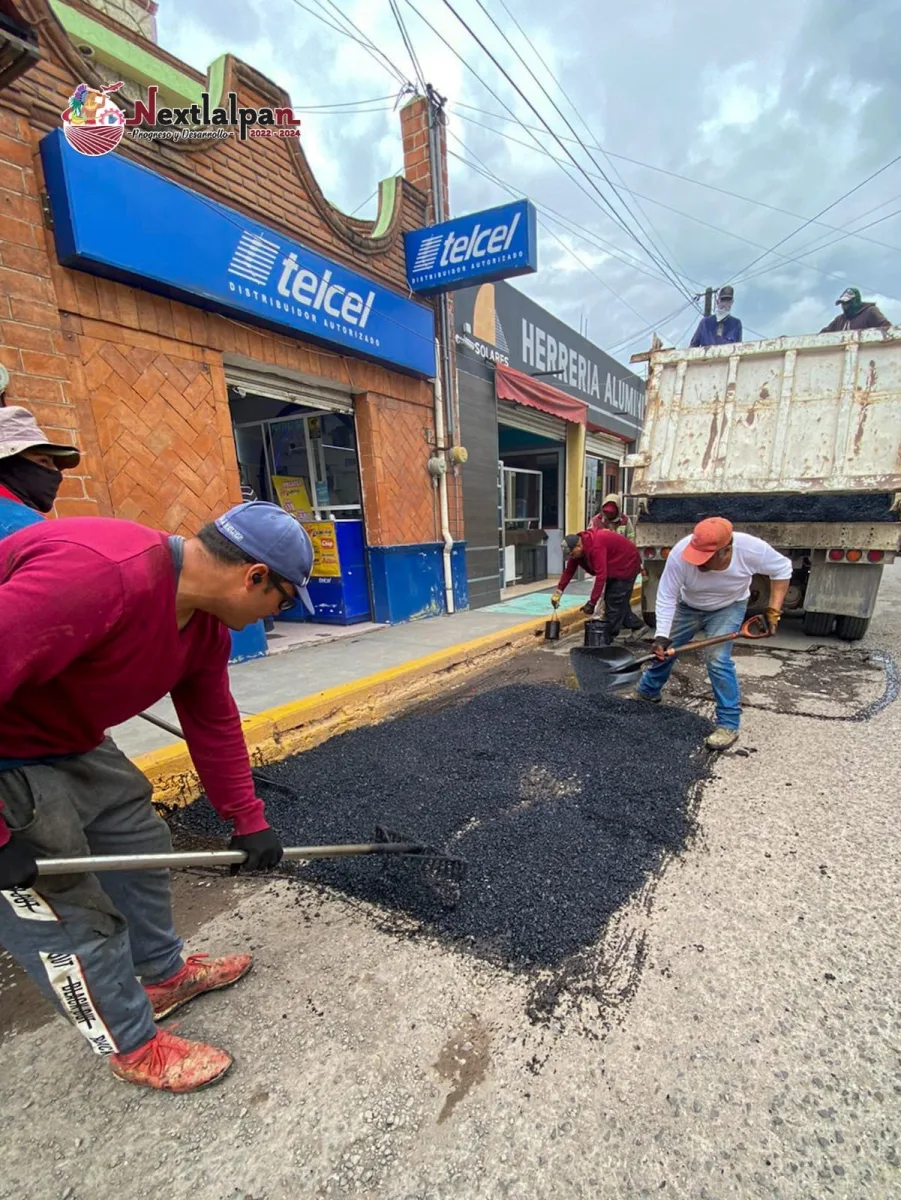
x=138 y=381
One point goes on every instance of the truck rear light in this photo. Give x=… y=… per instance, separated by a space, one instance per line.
x=649 y=551
x=664 y=553
x=836 y=555
x=854 y=555
x=875 y=555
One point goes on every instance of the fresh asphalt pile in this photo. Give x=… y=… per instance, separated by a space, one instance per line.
x=563 y=806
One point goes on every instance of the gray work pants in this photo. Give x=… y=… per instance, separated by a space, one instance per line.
x=84 y=939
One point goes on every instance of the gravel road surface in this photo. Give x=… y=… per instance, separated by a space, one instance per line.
x=733 y=1030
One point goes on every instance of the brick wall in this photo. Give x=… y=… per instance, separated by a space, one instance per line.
x=34 y=346
x=138 y=381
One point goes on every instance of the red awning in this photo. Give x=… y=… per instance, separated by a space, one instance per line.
x=523 y=389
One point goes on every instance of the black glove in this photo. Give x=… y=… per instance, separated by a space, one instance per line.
x=263 y=849
x=17 y=865
x=588 y=608
x=660 y=645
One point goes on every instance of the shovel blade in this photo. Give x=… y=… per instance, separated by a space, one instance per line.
x=603 y=669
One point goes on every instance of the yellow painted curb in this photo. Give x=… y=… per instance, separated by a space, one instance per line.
x=301 y=724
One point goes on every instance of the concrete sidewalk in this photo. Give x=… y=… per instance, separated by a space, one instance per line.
x=266 y=683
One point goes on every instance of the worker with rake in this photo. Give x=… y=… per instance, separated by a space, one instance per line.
x=704 y=591
x=99 y=619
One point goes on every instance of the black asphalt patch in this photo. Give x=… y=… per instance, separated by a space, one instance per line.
x=762 y=507
x=563 y=805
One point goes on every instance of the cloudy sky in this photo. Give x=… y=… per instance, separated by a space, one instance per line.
x=723 y=129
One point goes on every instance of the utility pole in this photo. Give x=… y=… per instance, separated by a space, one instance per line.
x=708 y=302
x=437 y=119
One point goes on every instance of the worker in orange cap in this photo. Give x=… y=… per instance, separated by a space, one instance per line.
x=704 y=592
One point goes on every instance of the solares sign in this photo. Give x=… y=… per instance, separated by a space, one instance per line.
x=495 y=244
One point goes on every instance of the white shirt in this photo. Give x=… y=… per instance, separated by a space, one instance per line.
x=710 y=590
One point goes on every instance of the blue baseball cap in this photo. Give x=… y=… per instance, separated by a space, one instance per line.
x=274 y=538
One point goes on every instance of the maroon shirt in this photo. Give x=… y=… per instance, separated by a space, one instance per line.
x=608 y=555
x=89 y=638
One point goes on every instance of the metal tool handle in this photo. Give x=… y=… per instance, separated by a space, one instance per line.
x=210 y=858
x=747 y=631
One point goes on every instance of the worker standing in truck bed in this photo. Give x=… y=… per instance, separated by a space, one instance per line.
x=99 y=619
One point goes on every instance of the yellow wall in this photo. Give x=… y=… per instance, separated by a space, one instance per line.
x=575 y=477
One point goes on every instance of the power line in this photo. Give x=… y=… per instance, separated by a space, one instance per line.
x=486 y=173
x=408 y=44
x=506 y=106
x=341 y=104
x=664 y=266
x=658 y=324
x=816 y=216
x=637 y=162
x=501 y=102
x=374 y=51
x=584 y=123
x=670 y=208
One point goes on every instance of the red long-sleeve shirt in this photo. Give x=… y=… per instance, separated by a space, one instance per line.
x=89 y=638
x=608 y=555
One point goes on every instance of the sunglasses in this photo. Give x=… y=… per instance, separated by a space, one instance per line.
x=287 y=601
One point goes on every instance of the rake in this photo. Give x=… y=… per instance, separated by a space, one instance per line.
x=387 y=842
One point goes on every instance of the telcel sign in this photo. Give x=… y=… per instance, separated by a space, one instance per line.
x=495 y=244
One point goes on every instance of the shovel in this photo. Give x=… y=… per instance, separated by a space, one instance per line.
x=610 y=668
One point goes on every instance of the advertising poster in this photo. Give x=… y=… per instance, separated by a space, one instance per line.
x=325 y=549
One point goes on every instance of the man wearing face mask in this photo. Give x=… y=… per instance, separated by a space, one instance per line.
x=720 y=327
x=856 y=314
x=31 y=468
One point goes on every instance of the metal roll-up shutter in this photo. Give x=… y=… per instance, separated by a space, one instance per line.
x=604 y=445
x=288 y=391
x=530 y=420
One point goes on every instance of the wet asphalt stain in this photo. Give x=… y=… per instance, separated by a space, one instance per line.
x=463 y=1063
x=567 y=809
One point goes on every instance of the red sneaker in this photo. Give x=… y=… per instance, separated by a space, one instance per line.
x=171 y=1064
x=199 y=974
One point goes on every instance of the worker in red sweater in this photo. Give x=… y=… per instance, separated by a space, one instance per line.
x=99 y=619
x=613 y=561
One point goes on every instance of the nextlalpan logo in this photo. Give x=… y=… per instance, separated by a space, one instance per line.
x=94 y=124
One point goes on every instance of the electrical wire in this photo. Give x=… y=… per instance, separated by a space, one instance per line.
x=637 y=162
x=669 y=208
x=368 y=45
x=664 y=266
x=654 y=325
x=579 y=117
x=341 y=104
x=815 y=217
x=408 y=43
x=500 y=101
x=488 y=174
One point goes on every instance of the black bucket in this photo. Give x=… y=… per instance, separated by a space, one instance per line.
x=597 y=633
x=552 y=630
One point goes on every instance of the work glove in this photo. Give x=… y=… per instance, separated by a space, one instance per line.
x=18 y=868
x=588 y=609
x=659 y=647
x=555 y=599
x=263 y=849
x=772 y=616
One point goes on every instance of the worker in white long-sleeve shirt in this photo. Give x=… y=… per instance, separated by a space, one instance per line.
x=704 y=592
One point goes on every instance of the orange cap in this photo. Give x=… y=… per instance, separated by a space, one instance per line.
x=708 y=537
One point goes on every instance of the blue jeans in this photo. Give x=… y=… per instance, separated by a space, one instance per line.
x=688 y=624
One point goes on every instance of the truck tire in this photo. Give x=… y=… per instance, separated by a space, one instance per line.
x=818 y=624
x=851 y=629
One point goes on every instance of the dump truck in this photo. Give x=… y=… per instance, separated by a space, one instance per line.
x=796 y=440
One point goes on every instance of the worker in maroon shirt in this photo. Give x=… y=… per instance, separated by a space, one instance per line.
x=99 y=619
x=613 y=561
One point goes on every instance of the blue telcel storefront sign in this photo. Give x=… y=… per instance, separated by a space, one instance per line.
x=495 y=244
x=114 y=218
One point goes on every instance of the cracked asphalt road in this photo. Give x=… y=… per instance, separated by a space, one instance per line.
x=758 y=1055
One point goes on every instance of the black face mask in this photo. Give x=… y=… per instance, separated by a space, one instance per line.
x=33 y=484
